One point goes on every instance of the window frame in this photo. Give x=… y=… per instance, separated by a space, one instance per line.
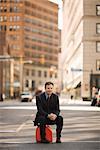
x=98 y=65
x=98 y=51
x=97 y=28
x=98 y=14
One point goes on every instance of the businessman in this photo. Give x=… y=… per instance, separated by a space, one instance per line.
x=48 y=112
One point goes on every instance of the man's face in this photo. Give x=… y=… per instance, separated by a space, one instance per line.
x=49 y=89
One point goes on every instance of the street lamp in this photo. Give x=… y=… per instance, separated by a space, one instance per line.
x=21 y=71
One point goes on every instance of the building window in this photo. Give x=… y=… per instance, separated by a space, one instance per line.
x=3 y=28
x=5 y=18
x=33 y=72
x=98 y=46
x=26 y=83
x=98 y=28
x=98 y=65
x=39 y=73
x=10 y=28
x=45 y=74
x=17 y=1
x=27 y=72
x=14 y=28
x=55 y=75
x=1 y=9
x=11 y=18
x=5 y=9
x=15 y=47
x=15 y=9
x=98 y=10
x=14 y=37
x=50 y=74
x=17 y=18
x=33 y=84
x=1 y=18
x=0 y=28
x=11 y=9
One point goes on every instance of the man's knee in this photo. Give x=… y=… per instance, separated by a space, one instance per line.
x=42 y=120
x=60 y=119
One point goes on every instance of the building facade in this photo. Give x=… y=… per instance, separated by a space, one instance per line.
x=2 y=43
x=80 y=55
x=32 y=39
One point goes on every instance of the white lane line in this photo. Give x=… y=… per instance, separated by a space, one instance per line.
x=83 y=141
x=80 y=108
x=7 y=131
x=19 y=107
x=28 y=142
x=17 y=130
x=20 y=127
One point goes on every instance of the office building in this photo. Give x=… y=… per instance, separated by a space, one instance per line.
x=32 y=39
x=80 y=52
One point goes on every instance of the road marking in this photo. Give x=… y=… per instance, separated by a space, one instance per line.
x=7 y=131
x=82 y=141
x=28 y=142
x=79 y=108
x=19 y=107
x=20 y=127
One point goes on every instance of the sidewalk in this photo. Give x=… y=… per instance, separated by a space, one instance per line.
x=62 y=101
x=15 y=102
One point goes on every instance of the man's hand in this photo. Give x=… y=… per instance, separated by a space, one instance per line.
x=52 y=116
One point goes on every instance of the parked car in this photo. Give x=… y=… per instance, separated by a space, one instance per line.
x=98 y=99
x=26 y=97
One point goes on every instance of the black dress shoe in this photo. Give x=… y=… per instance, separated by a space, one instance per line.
x=58 y=140
x=44 y=141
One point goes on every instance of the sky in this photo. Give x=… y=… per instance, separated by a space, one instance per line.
x=55 y=1
x=60 y=20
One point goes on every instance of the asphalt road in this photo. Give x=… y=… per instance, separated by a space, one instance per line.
x=81 y=128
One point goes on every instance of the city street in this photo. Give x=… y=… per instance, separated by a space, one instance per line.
x=81 y=127
x=50 y=46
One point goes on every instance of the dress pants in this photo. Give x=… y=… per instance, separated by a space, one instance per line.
x=43 y=121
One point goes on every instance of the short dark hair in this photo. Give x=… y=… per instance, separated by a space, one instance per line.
x=48 y=83
x=96 y=93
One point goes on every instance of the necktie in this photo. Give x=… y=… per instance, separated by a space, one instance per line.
x=48 y=98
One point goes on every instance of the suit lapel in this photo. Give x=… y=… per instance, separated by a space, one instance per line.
x=44 y=99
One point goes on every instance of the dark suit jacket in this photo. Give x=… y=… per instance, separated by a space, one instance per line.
x=45 y=107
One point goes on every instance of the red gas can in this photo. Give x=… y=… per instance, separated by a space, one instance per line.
x=48 y=134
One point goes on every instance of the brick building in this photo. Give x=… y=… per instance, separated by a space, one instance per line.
x=32 y=39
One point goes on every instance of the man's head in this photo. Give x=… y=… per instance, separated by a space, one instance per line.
x=49 y=87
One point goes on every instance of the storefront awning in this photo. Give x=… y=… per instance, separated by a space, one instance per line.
x=75 y=84
x=78 y=85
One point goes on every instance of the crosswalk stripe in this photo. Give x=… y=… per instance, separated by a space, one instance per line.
x=79 y=108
